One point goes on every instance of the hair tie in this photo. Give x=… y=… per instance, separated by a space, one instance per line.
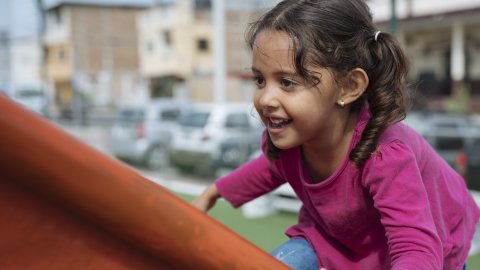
x=376 y=35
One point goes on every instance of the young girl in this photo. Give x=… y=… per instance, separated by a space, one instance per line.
x=375 y=195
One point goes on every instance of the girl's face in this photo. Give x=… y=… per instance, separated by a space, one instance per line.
x=295 y=111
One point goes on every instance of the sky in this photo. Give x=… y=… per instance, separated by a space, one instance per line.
x=19 y=17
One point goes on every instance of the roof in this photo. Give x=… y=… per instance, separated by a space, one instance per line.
x=50 y=4
x=465 y=15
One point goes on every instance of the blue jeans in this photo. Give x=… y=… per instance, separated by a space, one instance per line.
x=297 y=254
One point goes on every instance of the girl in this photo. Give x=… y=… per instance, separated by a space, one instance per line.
x=375 y=195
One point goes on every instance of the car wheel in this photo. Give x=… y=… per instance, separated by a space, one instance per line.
x=234 y=156
x=157 y=157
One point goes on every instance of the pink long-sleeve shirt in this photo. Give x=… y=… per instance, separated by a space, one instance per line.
x=405 y=208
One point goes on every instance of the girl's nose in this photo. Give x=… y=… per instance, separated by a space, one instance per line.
x=268 y=99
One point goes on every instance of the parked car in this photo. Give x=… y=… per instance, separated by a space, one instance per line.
x=417 y=120
x=449 y=134
x=216 y=135
x=143 y=133
x=468 y=163
x=32 y=98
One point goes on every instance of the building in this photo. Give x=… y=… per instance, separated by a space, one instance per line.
x=91 y=53
x=20 y=45
x=176 y=42
x=442 y=41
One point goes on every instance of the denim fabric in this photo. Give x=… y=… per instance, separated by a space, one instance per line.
x=297 y=254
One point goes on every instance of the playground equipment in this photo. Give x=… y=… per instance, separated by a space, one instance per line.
x=64 y=205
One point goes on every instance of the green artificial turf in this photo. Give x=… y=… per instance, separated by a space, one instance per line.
x=473 y=262
x=268 y=232
x=265 y=232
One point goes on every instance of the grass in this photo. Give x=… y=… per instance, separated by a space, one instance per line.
x=268 y=232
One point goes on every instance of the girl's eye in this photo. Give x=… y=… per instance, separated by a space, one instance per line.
x=259 y=81
x=288 y=83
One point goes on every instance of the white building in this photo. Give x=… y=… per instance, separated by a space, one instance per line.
x=20 y=44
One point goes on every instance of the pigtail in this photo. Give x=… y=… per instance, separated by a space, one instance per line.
x=387 y=94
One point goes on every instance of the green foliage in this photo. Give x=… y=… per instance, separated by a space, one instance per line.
x=460 y=102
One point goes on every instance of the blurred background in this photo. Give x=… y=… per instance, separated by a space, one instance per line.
x=165 y=86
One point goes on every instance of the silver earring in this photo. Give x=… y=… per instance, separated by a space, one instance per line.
x=341 y=103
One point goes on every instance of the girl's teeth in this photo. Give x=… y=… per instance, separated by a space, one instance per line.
x=277 y=123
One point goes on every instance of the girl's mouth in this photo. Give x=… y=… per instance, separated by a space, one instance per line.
x=278 y=123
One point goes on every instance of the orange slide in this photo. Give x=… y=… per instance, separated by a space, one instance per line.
x=64 y=205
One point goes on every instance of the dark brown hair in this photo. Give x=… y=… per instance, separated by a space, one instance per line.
x=340 y=35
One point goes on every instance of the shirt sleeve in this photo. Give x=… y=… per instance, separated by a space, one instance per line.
x=394 y=181
x=251 y=180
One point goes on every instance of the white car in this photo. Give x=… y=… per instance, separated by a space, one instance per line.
x=142 y=133
x=32 y=98
x=211 y=136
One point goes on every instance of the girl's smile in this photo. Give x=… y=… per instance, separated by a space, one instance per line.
x=277 y=125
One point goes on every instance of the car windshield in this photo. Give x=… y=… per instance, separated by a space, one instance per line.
x=195 y=119
x=130 y=115
x=449 y=143
x=28 y=93
x=474 y=148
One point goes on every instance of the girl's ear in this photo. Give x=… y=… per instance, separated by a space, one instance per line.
x=355 y=84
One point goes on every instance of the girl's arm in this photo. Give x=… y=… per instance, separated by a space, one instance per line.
x=251 y=180
x=207 y=199
x=393 y=179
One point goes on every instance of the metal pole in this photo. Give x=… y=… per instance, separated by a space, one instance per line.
x=393 y=17
x=219 y=69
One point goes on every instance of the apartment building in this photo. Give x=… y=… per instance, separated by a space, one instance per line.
x=91 y=53
x=175 y=46
x=176 y=42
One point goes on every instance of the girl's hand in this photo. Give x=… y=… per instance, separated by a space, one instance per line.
x=207 y=199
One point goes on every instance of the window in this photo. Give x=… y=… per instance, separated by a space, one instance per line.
x=166 y=2
x=166 y=37
x=169 y=115
x=195 y=119
x=203 y=4
x=449 y=143
x=202 y=44
x=149 y=47
x=61 y=54
x=130 y=115
x=237 y=120
x=57 y=15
